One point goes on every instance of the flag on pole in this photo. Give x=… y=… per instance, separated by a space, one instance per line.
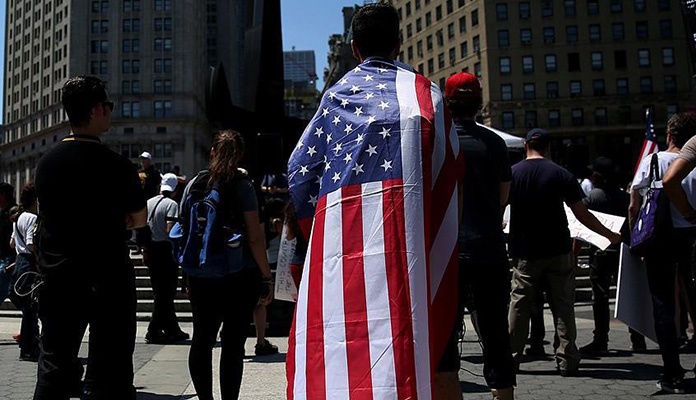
x=650 y=142
x=373 y=178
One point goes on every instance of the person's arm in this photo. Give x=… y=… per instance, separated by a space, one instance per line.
x=172 y=213
x=676 y=173
x=137 y=219
x=589 y=220
x=634 y=206
x=257 y=242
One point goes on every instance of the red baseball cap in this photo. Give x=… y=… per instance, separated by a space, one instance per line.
x=462 y=85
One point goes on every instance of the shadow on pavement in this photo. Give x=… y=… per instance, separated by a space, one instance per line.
x=610 y=371
x=471 y=387
x=272 y=359
x=154 y=396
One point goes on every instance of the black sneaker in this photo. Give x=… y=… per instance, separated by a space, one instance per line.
x=594 y=348
x=674 y=385
x=265 y=349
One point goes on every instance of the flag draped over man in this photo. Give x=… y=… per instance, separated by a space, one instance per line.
x=650 y=142
x=374 y=179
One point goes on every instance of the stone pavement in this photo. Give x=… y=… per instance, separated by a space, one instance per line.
x=162 y=372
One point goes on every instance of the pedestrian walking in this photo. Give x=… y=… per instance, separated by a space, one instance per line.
x=374 y=179
x=7 y=254
x=541 y=246
x=89 y=196
x=483 y=261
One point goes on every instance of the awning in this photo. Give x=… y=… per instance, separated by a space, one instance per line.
x=512 y=142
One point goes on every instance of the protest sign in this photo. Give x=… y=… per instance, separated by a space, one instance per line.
x=633 y=300
x=285 y=288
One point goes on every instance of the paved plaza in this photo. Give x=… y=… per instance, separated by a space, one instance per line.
x=162 y=372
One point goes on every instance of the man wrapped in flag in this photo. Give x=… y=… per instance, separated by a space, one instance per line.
x=373 y=178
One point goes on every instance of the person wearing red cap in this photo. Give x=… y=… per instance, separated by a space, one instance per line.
x=484 y=270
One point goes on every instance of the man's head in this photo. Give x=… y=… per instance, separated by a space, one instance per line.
x=145 y=159
x=463 y=95
x=604 y=172
x=86 y=102
x=169 y=182
x=681 y=127
x=538 y=140
x=376 y=32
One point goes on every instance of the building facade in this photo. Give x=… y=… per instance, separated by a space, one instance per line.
x=155 y=56
x=301 y=94
x=586 y=69
x=340 y=58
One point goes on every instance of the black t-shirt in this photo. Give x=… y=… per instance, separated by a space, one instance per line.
x=486 y=165
x=85 y=191
x=538 y=223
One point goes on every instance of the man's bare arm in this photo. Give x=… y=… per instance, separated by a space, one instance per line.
x=137 y=219
x=589 y=220
x=676 y=173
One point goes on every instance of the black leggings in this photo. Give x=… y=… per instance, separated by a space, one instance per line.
x=229 y=301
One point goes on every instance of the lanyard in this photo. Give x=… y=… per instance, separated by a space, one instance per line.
x=81 y=138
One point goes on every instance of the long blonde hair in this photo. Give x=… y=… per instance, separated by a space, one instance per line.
x=228 y=150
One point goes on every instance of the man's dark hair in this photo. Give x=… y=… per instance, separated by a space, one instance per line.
x=28 y=196
x=376 y=30
x=467 y=108
x=682 y=127
x=80 y=95
x=539 y=144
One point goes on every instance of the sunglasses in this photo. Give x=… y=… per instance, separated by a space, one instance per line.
x=109 y=104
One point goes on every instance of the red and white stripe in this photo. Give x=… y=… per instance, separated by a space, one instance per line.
x=649 y=147
x=378 y=294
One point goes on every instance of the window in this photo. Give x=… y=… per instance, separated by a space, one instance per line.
x=508 y=120
x=440 y=39
x=506 y=92
x=667 y=56
x=592 y=7
x=408 y=7
x=450 y=31
x=600 y=116
x=663 y=5
x=617 y=31
x=429 y=42
x=666 y=29
x=410 y=53
x=569 y=7
x=573 y=62
x=431 y=66
x=126 y=109
x=550 y=62
x=575 y=88
x=464 y=48
x=572 y=34
x=595 y=32
x=452 y=56
x=527 y=64
x=620 y=61
x=529 y=91
x=547 y=8
x=554 y=118
x=639 y=5
x=597 y=60
x=438 y=13
x=462 y=22
x=551 y=90
x=503 y=38
x=477 y=69
x=622 y=86
x=417 y=4
x=525 y=10
x=501 y=11
x=474 y=18
x=549 y=35
x=598 y=87
x=643 y=58
x=670 y=84
x=476 y=44
x=441 y=61
x=450 y=7
x=526 y=36
x=642 y=30
x=625 y=114
x=671 y=110
x=577 y=117
x=646 y=86
x=100 y=46
x=616 y=6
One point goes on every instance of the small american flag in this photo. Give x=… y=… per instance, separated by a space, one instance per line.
x=650 y=142
x=374 y=179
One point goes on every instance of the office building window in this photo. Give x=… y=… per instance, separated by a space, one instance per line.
x=642 y=30
x=508 y=120
x=666 y=29
x=667 y=56
x=126 y=87
x=431 y=66
x=474 y=18
x=573 y=62
x=410 y=53
x=576 y=117
x=417 y=3
x=126 y=110
x=464 y=49
x=501 y=11
x=530 y=119
x=620 y=61
x=569 y=7
x=429 y=42
x=438 y=13
x=639 y=5
x=450 y=7
x=419 y=25
x=592 y=7
x=452 y=56
x=476 y=43
x=527 y=64
x=663 y=5
x=622 y=86
x=646 y=86
x=572 y=34
x=595 y=32
x=670 y=84
x=575 y=88
x=409 y=33
x=554 y=118
x=477 y=69
x=546 y=8
x=598 y=87
x=644 y=58
x=549 y=35
x=526 y=36
x=525 y=10
x=551 y=90
x=503 y=38
x=616 y=6
x=440 y=39
x=600 y=116
x=441 y=61
x=671 y=110
x=450 y=31
x=462 y=22
x=597 y=60
x=529 y=91
x=506 y=92
x=99 y=46
x=617 y=31
x=550 y=63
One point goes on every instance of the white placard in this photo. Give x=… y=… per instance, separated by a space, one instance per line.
x=581 y=232
x=633 y=300
x=285 y=288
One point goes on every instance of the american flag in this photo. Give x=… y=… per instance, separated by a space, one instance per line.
x=650 y=142
x=374 y=179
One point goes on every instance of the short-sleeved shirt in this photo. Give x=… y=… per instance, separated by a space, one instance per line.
x=641 y=181
x=85 y=192
x=23 y=232
x=688 y=152
x=487 y=165
x=157 y=218
x=538 y=223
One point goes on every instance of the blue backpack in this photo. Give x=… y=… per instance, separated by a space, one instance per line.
x=208 y=239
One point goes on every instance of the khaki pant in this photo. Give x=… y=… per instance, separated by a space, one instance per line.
x=559 y=276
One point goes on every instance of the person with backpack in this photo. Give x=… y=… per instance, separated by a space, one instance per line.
x=222 y=250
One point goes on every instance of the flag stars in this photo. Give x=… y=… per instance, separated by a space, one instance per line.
x=337 y=149
x=356 y=69
x=312 y=151
x=329 y=138
x=371 y=119
x=348 y=158
x=382 y=70
x=381 y=86
x=304 y=170
x=313 y=200
x=355 y=89
x=327 y=166
x=385 y=132
x=358 y=169
x=369 y=95
x=368 y=77
x=344 y=103
x=361 y=137
x=387 y=165
x=371 y=150
x=324 y=112
x=319 y=131
x=336 y=177
x=299 y=145
x=336 y=120
x=349 y=128
x=383 y=105
x=332 y=95
x=358 y=111
x=343 y=81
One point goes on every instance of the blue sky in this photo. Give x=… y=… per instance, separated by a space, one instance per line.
x=307 y=25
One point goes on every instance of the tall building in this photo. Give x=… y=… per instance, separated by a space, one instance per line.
x=300 y=83
x=584 y=69
x=156 y=57
x=340 y=57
